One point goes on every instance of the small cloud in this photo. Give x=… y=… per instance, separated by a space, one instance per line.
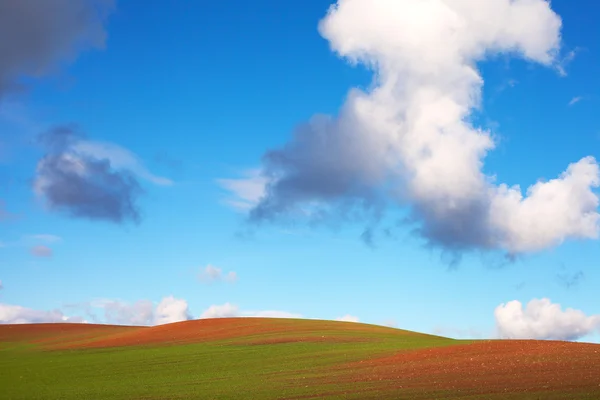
x=213 y=274
x=541 y=319
x=575 y=100
x=93 y=180
x=171 y=310
x=231 y=276
x=41 y=251
x=1 y=286
x=348 y=318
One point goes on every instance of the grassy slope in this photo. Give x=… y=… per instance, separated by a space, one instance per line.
x=238 y=358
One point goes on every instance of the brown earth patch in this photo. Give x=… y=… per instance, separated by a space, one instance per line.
x=488 y=367
x=62 y=333
x=205 y=330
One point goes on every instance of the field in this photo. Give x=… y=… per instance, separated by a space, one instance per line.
x=253 y=358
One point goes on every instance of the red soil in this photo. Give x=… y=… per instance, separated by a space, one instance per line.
x=486 y=368
x=58 y=332
x=233 y=328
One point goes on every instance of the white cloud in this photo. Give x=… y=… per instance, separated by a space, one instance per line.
x=119 y=312
x=214 y=274
x=171 y=310
x=229 y=310
x=409 y=139
x=11 y=314
x=348 y=318
x=226 y=310
x=143 y=312
x=1 y=286
x=542 y=319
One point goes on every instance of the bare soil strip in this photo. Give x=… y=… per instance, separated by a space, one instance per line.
x=488 y=367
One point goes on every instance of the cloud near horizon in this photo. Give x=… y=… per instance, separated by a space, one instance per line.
x=11 y=314
x=43 y=34
x=92 y=180
x=408 y=140
x=138 y=313
x=348 y=318
x=541 y=319
x=229 y=310
x=144 y=312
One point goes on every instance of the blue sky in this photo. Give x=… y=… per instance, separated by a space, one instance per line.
x=196 y=93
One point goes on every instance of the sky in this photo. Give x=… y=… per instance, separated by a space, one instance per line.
x=429 y=165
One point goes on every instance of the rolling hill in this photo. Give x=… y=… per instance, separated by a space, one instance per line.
x=255 y=358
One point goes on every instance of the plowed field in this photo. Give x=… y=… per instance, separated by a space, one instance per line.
x=254 y=358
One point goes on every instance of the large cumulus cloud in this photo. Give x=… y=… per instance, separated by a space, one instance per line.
x=409 y=140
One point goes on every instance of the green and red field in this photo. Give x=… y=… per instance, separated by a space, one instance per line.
x=253 y=358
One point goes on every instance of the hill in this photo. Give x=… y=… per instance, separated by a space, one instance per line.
x=255 y=358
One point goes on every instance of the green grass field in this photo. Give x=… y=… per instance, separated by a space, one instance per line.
x=244 y=359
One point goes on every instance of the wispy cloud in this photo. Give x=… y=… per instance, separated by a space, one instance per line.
x=32 y=241
x=44 y=237
x=119 y=158
x=246 y=192
x=210 y=273
x=575 y=100
x=561 y=64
